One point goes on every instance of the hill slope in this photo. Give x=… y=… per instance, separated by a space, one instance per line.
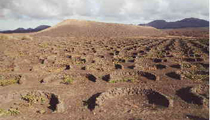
x=82 y=28
x=185 y=23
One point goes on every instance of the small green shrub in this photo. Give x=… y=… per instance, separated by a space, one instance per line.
x=4 y=37
x=8 y=82
x=160 y=54
x=186 y=65
x=196 y=77
x=67 y=80
x=31 y=98
x=26 y=37
x=44 y=45
x=122 y=80
x=41 y=111
x=12 y=112
x=3 y=112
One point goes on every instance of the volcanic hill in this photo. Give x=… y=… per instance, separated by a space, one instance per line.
x=82 y=28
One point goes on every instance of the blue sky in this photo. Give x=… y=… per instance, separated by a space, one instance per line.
x=32 y=13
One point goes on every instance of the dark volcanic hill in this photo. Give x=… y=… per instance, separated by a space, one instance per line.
x=22 y=30
x=83 y=28
x=185 y=23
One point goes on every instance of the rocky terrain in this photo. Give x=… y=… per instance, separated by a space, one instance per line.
x=202 y=32
x=83 y=70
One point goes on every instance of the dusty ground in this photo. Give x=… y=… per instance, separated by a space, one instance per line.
x=67 y=78
x=202 y=32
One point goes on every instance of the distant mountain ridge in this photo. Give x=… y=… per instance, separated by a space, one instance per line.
x=28 y=30
x=185 y=23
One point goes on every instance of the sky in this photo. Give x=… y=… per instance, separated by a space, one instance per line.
x=32 y=13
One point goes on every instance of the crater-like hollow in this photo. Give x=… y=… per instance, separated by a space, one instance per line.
x=131 y=67
x=83 y=68
x=156 y=60
x=189 y=59
x=177 y=66
x=189 y=97
x=118 y=66
x=122 y=60
x=106 y=78
x=192 y=117
x=193 y=59
x=135 y=54
x=91 y=77
x=91 y=102
x=205 y=65
x=141 y=51
x=117 y=52
x=53 y=102
x=143 y=98
x=160 y=66
x=149 y=76
x=174 y=75
x=67 y=67
x=131 y=61
x=158 y=99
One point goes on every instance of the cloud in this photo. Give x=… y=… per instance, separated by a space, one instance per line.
x=123 y=11
x=166 y=9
